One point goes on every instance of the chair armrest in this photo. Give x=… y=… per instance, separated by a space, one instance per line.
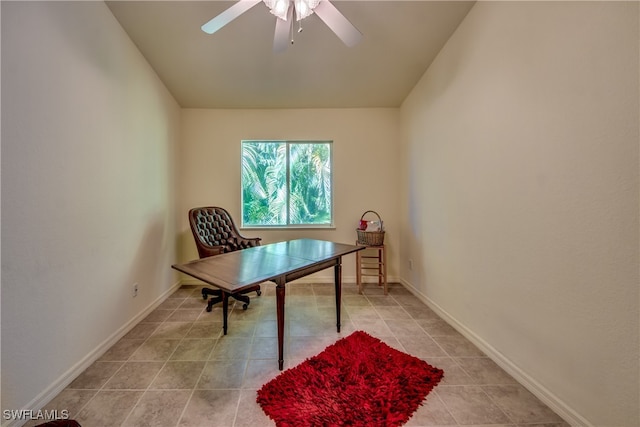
x=255 y=241
x=247 y=242
x=205 y=252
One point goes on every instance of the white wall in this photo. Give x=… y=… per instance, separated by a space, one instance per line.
x=88 y=140
x=365 y=173
x=520 y=146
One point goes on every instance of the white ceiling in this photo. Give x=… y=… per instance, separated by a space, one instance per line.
x=236 y=67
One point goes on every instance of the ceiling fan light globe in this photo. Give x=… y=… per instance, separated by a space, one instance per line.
x=303 y=9
x=312 y=3
x=278 y=7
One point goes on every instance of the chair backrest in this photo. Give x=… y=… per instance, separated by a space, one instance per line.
x=215 y=232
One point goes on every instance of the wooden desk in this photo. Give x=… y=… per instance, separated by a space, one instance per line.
x=280 y=262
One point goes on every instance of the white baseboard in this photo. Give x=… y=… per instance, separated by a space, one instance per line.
x=65 y=379
x=545 y=395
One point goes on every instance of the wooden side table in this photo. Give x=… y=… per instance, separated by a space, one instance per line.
x=370 y=263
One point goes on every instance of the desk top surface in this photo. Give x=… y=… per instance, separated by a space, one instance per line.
x=239 y=269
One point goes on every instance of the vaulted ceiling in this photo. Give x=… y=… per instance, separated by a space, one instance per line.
x=237 y=68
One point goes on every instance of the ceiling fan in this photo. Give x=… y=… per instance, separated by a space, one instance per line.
x=284 y=11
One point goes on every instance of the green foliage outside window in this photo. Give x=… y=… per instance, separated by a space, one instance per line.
x=286 y=183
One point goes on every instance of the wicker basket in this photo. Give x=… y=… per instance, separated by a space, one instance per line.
x=371 y=238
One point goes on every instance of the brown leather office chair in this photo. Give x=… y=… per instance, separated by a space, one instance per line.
x=215 y=233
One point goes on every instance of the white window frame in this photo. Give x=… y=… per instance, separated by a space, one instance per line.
x=289 y=225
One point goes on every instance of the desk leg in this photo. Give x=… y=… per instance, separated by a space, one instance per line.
x=337 y=271
x=225 y=306
x=280 y=312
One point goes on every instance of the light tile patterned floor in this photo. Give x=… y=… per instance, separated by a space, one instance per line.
x=176 y=369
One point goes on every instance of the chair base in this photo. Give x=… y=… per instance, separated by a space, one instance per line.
x=217 y=296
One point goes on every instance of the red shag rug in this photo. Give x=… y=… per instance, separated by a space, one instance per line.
x=357 y=381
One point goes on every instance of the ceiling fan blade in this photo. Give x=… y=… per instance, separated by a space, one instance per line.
x=338 y=23
x=282 y=36
x=229 y=15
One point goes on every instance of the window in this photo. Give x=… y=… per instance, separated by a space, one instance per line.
x=286 y=183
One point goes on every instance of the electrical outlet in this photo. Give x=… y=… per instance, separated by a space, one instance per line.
x=410 y=264
x=135 y=290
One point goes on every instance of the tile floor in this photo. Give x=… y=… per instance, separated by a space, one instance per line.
x=176 y=369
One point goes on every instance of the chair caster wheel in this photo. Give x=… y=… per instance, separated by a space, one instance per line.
x=259 y=292
x=209 y=309
x=245 y=306
x=204 y=295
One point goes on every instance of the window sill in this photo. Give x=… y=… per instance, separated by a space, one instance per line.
x=288 y=227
